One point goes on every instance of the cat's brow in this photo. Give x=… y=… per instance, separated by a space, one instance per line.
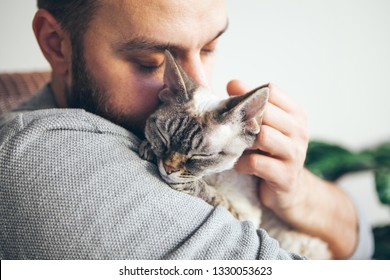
x=146 y=44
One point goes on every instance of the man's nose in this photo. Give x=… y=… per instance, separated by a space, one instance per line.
x=195 y=69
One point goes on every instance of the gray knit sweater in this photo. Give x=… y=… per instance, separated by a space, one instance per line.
x=72 y=186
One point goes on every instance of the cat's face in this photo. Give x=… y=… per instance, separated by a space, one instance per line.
x=194 y=133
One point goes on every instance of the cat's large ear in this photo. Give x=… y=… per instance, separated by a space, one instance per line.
x=248 y=108
x=179 y=87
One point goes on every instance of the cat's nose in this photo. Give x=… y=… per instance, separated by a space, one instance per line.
x=170 y=169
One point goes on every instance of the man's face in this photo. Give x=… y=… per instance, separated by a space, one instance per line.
x=120 y=71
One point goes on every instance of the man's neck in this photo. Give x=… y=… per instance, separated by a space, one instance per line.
x=59 y=89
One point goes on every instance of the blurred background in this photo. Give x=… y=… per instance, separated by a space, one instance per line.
x=332 y=57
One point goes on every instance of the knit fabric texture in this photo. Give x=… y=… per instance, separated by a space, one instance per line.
x=72 y=186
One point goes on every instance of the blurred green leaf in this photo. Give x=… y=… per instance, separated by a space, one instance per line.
x=382 y=243
x=331 y=161
x=381 y=154
x=382 y=181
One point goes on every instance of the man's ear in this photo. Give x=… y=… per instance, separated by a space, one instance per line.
x=53 y=41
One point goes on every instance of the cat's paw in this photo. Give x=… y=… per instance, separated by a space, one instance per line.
x=145 y=151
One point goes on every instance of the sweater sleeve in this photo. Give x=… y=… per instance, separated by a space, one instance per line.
x=72 y=186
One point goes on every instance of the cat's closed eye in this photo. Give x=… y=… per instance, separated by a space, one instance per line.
x=201 y=156
x=204 y=156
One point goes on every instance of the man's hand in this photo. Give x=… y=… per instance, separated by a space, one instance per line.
x=283 y=141
x=301 y=199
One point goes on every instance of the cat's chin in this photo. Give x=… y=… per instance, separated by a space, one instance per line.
x=170 y=180
x=174 y=178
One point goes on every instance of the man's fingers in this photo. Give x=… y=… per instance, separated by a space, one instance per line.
x=236 y=87
x=290 y=126
x=277 y=97
x=278 y=119
x=281 y=99
x=274 y=143
x=267 y=168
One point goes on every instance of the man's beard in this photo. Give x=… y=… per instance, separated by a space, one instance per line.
x=85 y=93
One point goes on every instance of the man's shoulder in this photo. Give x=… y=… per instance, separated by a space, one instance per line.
x=38 y=133
x=40 y=113
x=38 y=122
x=78 y=144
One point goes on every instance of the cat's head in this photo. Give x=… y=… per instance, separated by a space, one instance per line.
x=193 y=133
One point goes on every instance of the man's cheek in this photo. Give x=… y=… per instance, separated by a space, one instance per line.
x=147 y=88
x=143 y=94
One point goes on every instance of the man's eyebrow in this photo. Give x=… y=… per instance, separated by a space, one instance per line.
x=146 y=44
x=222 y=31
x=141 y=44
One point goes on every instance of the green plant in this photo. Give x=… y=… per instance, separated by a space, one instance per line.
x=331 y=161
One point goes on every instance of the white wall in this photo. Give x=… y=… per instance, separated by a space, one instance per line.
x=18 y=48
x=332 y=56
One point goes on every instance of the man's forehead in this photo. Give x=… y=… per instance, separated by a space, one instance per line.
x=143 y=43
x=174 y=9
x=165 y=19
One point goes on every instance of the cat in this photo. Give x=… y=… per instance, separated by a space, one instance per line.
x=195 y=138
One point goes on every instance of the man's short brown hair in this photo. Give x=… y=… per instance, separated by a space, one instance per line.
x=73 y=15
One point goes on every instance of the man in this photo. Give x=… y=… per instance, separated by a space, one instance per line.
x=72 y=183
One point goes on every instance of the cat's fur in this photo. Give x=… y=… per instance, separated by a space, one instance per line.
x=196 y=138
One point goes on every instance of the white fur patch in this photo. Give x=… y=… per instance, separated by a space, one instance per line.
x=241 y=189
x=205 y=100
x=221 y=135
